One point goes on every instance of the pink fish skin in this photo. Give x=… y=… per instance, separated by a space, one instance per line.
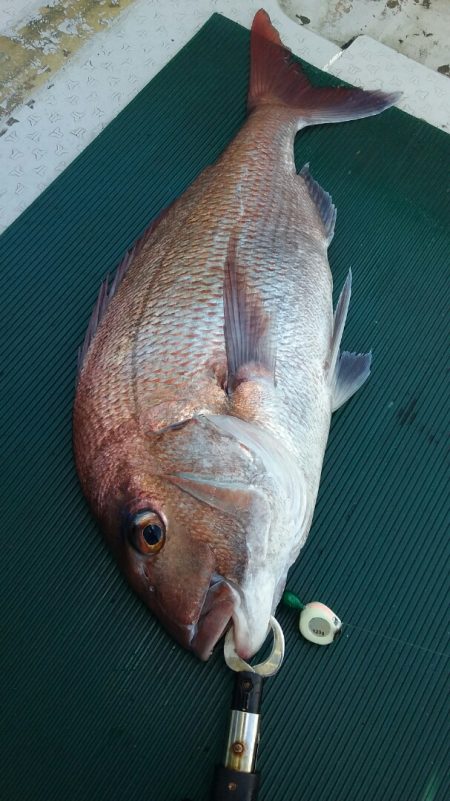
x=211 y=368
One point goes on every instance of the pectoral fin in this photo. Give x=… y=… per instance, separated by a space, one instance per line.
x=248 y=331
x=348 y=371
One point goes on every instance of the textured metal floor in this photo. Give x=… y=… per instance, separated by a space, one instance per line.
x=419 y=29
x=98 y=703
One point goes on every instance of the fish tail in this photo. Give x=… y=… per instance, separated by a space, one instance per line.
x=277 y=80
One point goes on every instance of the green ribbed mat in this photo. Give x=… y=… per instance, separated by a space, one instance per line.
x=98 y=703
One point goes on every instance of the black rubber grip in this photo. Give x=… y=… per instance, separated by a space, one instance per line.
x=247 y=692
x=232 y=785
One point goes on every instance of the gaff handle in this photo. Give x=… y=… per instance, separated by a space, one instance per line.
x=237 y=779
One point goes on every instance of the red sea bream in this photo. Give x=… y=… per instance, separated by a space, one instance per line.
x=211 y=368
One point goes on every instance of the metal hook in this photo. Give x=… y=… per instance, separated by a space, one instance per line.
x=270 y=666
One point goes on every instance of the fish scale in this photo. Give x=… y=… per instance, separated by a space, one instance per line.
x=211 y=367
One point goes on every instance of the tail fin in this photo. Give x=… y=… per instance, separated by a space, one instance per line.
x=276 y=80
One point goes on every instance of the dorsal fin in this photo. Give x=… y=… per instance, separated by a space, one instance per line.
x=108 y=290
x=323 y=202
x=247 y=327
x=105 y=295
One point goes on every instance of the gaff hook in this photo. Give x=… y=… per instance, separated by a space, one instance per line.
x=270 y=666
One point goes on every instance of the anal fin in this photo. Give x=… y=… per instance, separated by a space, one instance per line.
x=322 y=201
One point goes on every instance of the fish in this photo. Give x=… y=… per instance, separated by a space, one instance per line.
x=212 y=365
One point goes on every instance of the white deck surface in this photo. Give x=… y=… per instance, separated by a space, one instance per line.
x=62 y=117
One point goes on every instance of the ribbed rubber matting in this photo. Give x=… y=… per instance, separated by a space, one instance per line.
x=99 y=704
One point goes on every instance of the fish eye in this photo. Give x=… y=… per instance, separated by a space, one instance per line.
x=148 y=532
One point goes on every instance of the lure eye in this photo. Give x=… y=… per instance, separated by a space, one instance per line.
x=148 y=532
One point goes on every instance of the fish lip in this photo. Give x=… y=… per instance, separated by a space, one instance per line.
x=215 y=617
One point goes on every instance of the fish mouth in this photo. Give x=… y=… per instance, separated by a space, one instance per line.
x=223 y=605
x=216 y=615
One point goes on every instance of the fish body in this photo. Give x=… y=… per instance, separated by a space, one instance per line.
x=211 y=368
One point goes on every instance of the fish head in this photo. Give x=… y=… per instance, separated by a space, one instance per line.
x=201 y=532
